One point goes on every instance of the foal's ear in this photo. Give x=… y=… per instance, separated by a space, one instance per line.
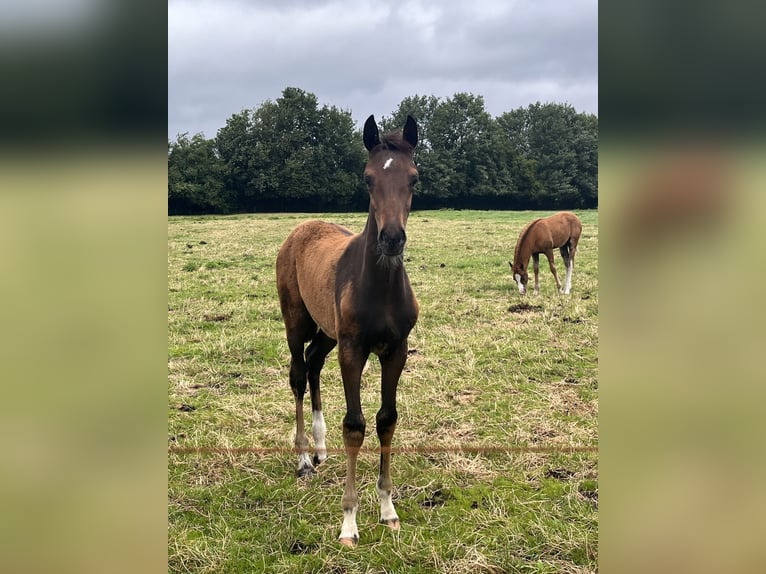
x=371 y=137
x=410 y=132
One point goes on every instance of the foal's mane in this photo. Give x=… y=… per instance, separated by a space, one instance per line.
x=394 y=142
x=522 y=238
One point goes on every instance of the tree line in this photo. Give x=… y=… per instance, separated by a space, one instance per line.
x=292 y=155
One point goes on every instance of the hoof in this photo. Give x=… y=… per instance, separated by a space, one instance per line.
x=305 y=471
x=350 y=542
x=317 y=461
x=393 y=524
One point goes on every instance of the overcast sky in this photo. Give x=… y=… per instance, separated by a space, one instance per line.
x=366 y=56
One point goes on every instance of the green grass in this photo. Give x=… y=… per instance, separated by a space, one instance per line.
x=516 y=384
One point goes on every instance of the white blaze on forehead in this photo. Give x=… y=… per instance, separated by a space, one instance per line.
x=388 y=163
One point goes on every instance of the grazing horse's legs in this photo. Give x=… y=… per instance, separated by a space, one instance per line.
x=316 y=352
x=536 y=266
x=549 y=255
x=352 y=359
x=391 y=369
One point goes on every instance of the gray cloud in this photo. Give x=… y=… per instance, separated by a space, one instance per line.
x=367 y=56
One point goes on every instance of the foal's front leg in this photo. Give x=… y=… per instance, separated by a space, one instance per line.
x=298 y=386
x=385 y=423
x=352 y=359
x=536 y=267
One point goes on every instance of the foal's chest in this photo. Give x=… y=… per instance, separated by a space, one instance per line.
x=380 y=317
x=386 y=332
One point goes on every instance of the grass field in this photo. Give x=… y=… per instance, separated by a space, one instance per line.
x=501 y=391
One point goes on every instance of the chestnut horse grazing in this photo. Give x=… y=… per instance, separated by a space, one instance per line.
x=543 y=235
x=352 y=290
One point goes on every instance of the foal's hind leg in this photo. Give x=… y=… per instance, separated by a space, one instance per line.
x=572 y=251
x=316 y=352
x=536 y=267
x=568 y=262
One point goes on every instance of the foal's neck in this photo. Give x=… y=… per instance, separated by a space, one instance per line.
x=381 y=274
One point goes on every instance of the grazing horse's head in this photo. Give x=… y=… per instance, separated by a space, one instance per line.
x=390 y=175
x=520 y=275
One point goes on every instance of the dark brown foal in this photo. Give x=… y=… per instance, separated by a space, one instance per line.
x=352 y=290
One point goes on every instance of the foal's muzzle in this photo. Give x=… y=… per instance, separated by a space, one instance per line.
x=392 y=243
x=517 y=279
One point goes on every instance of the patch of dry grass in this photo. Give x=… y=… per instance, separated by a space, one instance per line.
x=489 y=374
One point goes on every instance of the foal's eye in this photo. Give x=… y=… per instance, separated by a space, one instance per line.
x=368 y=181
x=413 y=180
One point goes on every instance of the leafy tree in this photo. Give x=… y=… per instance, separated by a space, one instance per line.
x=586 y=152
x=292 y=155
x=195 y=176
x=422 y=109
x=464 y=159
x=238 y=150
x=562 y=147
